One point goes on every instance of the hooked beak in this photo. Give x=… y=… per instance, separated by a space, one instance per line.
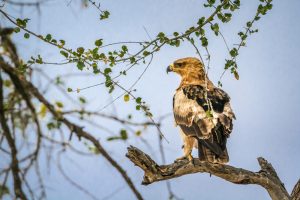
x=169 y=68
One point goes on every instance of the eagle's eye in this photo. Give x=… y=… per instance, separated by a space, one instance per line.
x=178 y=64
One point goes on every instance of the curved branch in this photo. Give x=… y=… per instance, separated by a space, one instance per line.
x=266 y=177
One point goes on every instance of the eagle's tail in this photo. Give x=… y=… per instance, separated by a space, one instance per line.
x=213 y=149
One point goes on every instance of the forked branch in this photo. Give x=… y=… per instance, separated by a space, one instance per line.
x=266 y=177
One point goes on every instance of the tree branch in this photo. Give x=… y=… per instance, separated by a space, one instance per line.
x=296 y=191
x=266 y=177
x=38 y=3
x=11 y=143
x=21 y=80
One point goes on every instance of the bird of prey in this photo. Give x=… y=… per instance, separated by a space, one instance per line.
x=202 y=111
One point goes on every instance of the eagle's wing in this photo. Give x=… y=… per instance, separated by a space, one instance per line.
x=192 y=114
x=191 y=109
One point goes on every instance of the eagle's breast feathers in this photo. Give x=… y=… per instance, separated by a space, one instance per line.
x=198 y=112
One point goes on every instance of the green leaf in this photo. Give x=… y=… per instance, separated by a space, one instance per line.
x=64 y=53
x=233 y=52
x=17 y=30
x=227 y=17
x=132 y=60
x=201 y=21
x=124 y=48
x=39 y=60
x=62 y=42
x=249 y=24
x=98 y=43
x=228 y=64
x=48 y=37
x=161 y=35
x=138 y=133
x=111 y=89
x=80 y=50
x=126 y=97
x=59 y=104
x=26 y=35
x=123 y=134
x=226 y=6
x=113 y=138
x=211 y=2
x=138 y=100
x=107 y=70
x=146 y=53
x=215 y=28
x=204 y=41
x=82 y=100
x=19 y=22
x=138 y=107
x=50 y=126
x=175 y=34
x=22 y=22
x=220 y=16
x=177 y=43
x=80 y=65
x=104 y=15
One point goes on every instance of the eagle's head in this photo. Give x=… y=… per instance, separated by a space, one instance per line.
x=190 y=69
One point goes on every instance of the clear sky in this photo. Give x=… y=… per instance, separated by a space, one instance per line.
x=265 y=99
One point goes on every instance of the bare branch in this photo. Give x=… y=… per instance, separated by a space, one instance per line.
x=266 y=177
x=10 y=140
x=19 y=3
x=72 y=126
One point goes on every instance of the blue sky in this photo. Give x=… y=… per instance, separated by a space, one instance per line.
x=265 y=99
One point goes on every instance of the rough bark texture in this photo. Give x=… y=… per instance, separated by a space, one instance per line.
x=266 y=177
x=296 y=191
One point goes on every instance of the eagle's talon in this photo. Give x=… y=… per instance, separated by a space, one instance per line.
x=180 y=159
x=189 y=157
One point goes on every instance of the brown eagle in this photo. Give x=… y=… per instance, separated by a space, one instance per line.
x=202 y=111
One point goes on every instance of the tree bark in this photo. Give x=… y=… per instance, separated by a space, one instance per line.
x=266 y=177
x=296 y=191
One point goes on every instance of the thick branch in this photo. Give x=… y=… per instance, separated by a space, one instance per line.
x=266 y=177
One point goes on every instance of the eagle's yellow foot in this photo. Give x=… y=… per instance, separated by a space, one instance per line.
x=189 y=157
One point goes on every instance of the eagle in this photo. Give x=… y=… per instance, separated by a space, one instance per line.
x=202 y=111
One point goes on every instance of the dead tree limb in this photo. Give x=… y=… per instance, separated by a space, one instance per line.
x=266 y=177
